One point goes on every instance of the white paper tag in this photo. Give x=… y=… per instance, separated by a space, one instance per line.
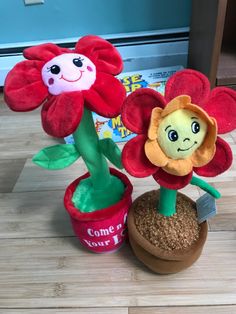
x=206 y=207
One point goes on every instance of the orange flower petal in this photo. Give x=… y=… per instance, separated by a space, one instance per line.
x=205 y=153
x=180 y=102
x=155 y=154
x=179 y=167
x=154 y=122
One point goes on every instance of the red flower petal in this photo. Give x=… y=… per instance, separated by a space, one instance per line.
x=170 y=181
x=104 y=55
x=135 y=160
x=220 y=163
x=188 y=82
x=61 y=114
x=24 y=89
x=106 y=96
x=44 y=52
x=137 y=109
x=222 y=106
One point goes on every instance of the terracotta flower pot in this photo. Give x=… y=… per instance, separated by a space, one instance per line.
x=103 y=230
x=157 y=259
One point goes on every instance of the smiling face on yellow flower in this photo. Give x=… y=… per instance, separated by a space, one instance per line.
x=181 y=133
x=180 y=137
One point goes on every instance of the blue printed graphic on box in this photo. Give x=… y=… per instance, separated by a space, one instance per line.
x=112 y=128
x=152 y=78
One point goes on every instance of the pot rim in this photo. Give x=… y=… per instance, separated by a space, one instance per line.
x=100 y=214
x=176 y=255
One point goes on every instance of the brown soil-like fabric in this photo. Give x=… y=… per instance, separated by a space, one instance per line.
x=177 y=232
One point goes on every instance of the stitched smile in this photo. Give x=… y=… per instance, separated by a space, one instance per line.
x=183 y=150
x=72 y=81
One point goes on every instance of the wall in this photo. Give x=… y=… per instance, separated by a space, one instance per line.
x=58 y=19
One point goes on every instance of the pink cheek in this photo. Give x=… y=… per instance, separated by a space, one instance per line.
x=51 y=81
x=89 y=68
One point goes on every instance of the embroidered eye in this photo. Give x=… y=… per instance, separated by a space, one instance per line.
x=195 y=127
x=54 y=69
x=173 y=135
x=78 y=62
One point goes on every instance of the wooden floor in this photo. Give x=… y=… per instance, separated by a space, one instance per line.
x=44 y=269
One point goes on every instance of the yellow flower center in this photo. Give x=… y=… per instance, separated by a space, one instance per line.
x=180 y=133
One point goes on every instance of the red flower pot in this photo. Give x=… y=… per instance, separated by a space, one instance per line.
x=103 y=230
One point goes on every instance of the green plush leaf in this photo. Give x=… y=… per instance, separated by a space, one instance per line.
x=111 y=151
x=205 y=186
x=56 y=157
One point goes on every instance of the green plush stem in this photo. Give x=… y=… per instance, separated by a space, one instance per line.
x=167 y=202
x=205 y=186
x=100 y=189
x=87 y=143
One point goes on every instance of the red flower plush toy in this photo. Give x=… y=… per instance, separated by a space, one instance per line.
x=63 y=81
x=177 y=135
x=69 y=84
x=168 y=145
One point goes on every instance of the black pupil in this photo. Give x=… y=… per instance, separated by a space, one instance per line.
x=77 y=62
x=55 y=69
x=173 y=135
x=195 y=127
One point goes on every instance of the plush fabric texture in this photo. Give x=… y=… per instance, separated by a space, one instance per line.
x=134 y=159
x=185 y=90
x=171 y=181
x=180 y=115
x=159 y=260
x=111 y=151
x=136 y=112
x=89 y=199
x=64 y=81
x=222 y=160
x=103 y=230
x=56 y=157
x=222 y=106
x=68 y=72
x=61 y=114
x=105 y=213
x=188 y=82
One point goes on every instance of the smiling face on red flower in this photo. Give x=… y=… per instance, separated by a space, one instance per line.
x=65 y=81
x=68 y=72
x=177 y=134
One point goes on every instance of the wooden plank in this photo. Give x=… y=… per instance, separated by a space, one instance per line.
x=21 y=134
x=24 y=144
x=111 y=310
x=229 y=309
x=34 y=178
x=233 y=135
x=55 y=272
x=222 y=222
x=10 y=170
x=34 y=214
x=226 y=205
